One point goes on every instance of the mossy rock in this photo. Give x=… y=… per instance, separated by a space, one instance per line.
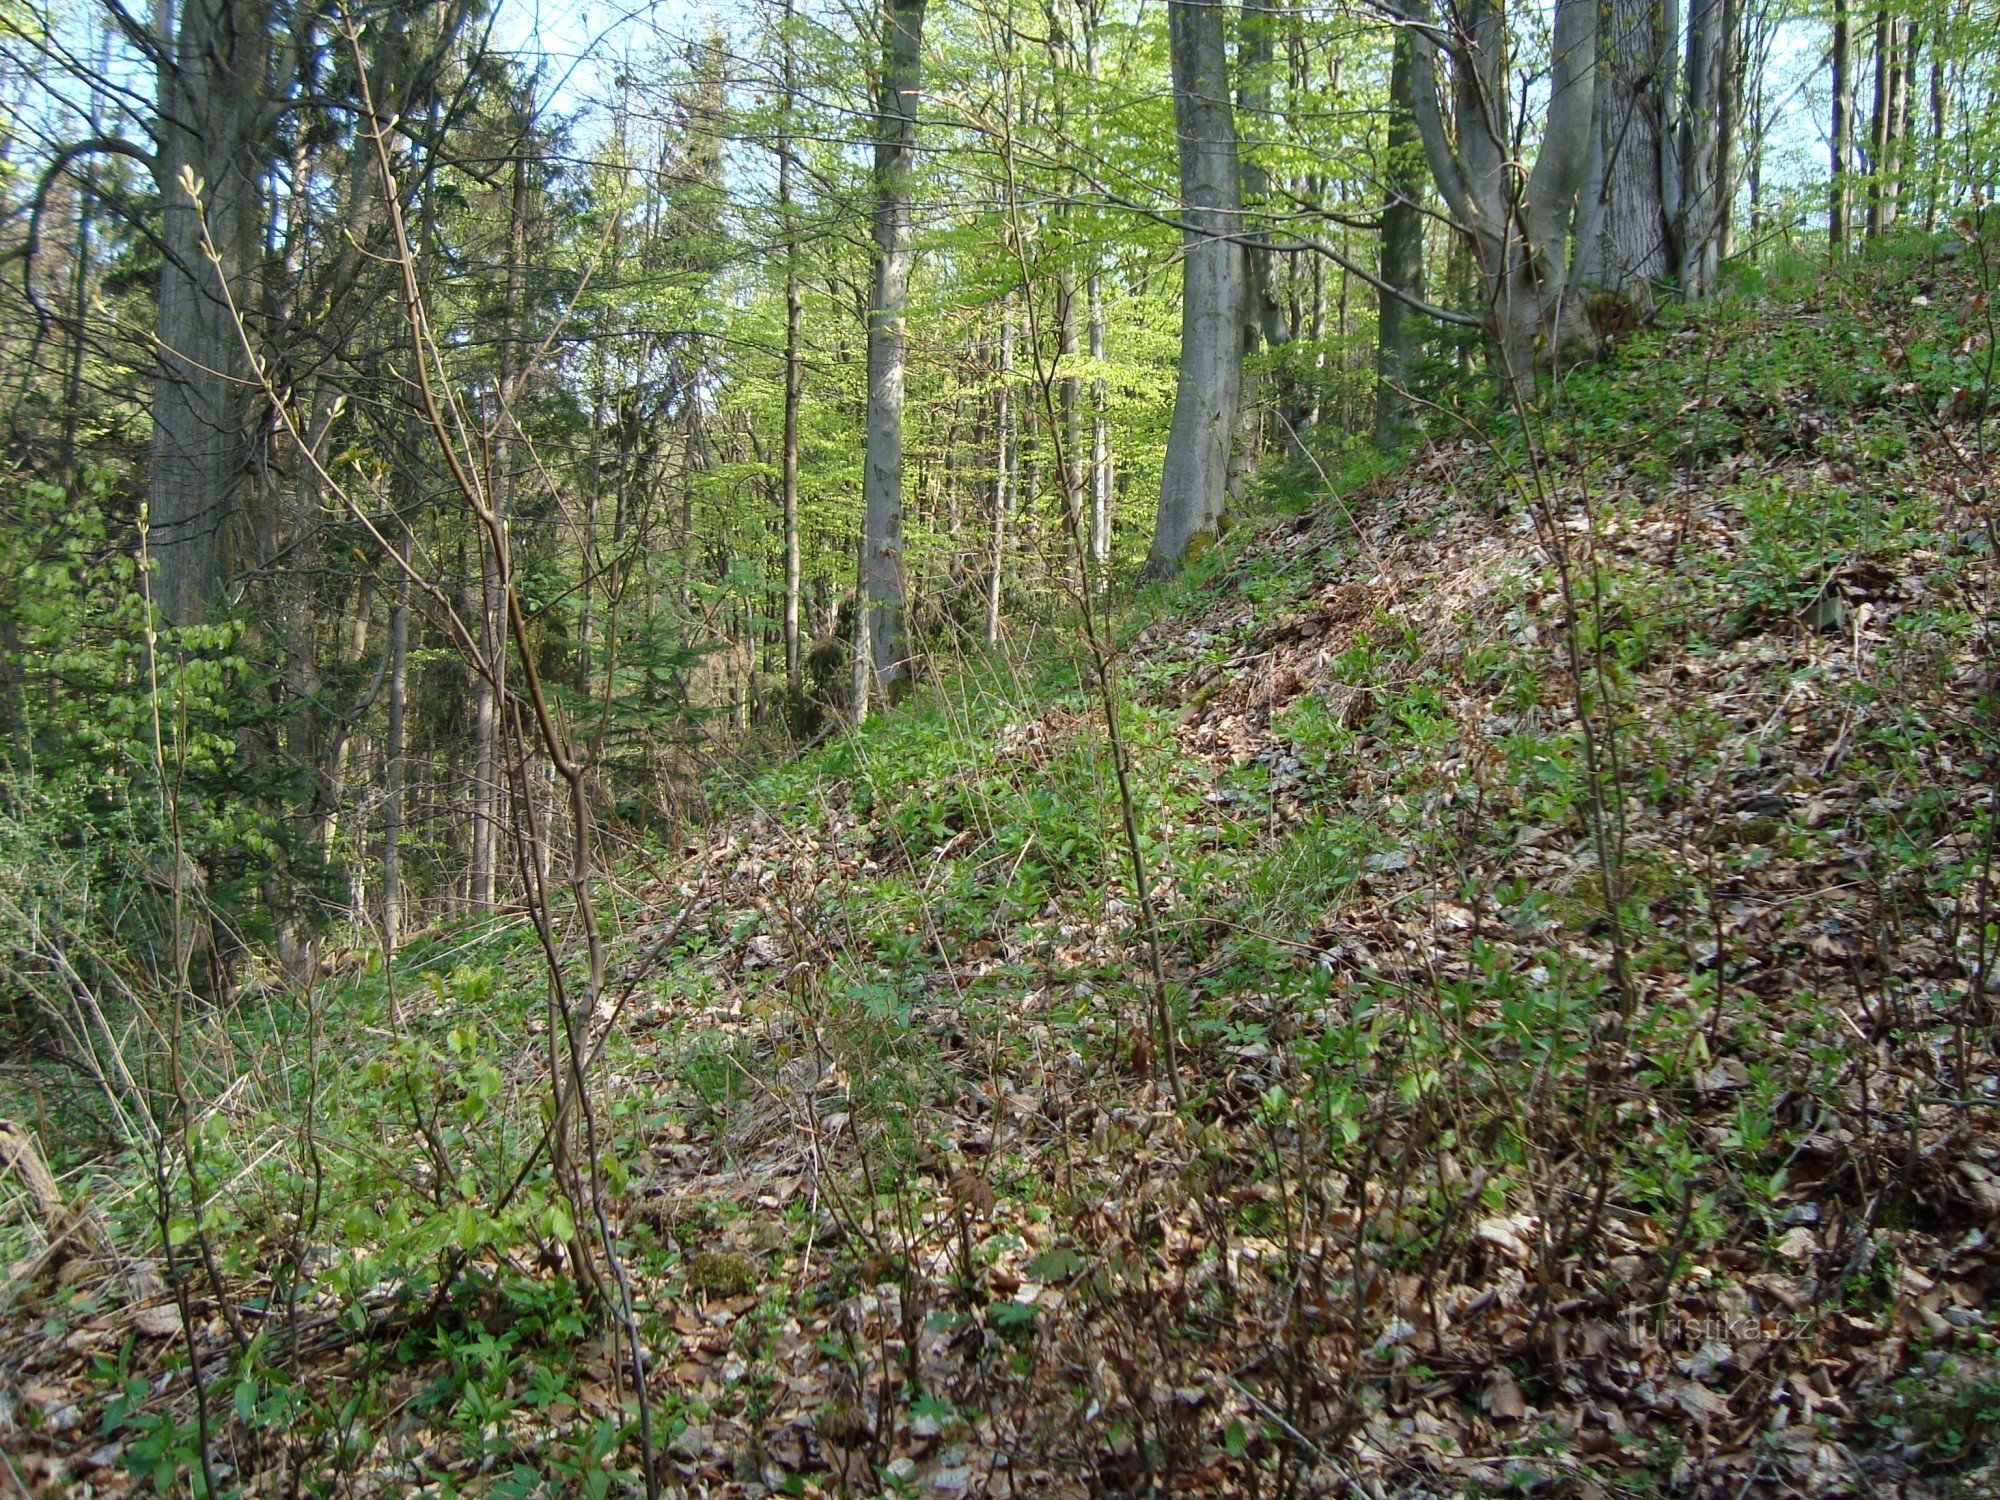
x=721 y=1273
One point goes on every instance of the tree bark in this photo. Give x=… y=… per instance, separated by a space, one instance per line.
x=1005 y=461
x=1698 y=226
x=1895 y=69
x=1194 y=487
x=1100 y=439
x=1402 y=251
x=487 y=792
x=1265 y=324
x=1934 y=190
x=1840 y=205
x=1100 y=422
x=1519 y=232
x=1632 y=253
x=1880 y=132
x=1729 y=128
x=212 y=92
x=1256 y=54
x=794 y=366
x=864 y=649
x=393 y=751
x=1069 y=393
x=882 y=476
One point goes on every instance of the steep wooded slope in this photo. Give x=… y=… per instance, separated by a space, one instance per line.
x=1629 y=1128
x=1573 y=852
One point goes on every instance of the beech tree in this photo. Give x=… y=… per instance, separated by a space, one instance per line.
x=1657 y=199
x=1519 y=225
x=1402 y=251
x=1194 y=489
x=895 y=144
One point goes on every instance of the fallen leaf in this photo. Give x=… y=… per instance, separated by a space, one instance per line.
x=1503 y=1400
x=158 y=1322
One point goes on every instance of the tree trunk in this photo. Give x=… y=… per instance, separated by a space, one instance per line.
x=1840 y=206
x=1097 y=519
x=86 y=215
x=1633 y=253
x=1256 y=59
x=1934 y=192
x=393 y=751
x=794 y=366
x=1070 y=399
x=1729 y=128
x=1004 y=465
x=1880 y=132
x=487 y=768
x=1520 y=233
x=1194 y=487
x=212 y=91
x=1699 y=224
x=1100 y=440
x=1402 y=252
x=1896 y=152
x=882 y=475
x=1265 y=323
x=485 y=744
x=864 y=648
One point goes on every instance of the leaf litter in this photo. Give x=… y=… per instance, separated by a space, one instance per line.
x=1443 y=1215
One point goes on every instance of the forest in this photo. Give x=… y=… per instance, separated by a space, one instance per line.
x=1073 y=748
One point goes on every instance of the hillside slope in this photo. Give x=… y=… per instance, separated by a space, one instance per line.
x=1573 y=854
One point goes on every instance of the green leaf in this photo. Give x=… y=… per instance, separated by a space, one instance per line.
x=557 y=1224
x=1057 y=1263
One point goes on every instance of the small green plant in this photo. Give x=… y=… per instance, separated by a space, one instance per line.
x=1948 y=1418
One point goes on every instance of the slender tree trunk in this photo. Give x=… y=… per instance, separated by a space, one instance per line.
x=1701 y=183
x=1900 y=153
x=864 y=648
x=1402 y=251
x=590 y=556
x=1069 y=396
x=1880 y=132
x=393 y=751
x=86 y=208
x=1668 y=99
x=1100 y=422
x=488 y=772
x=1729 y=128
x=1935 y=191
x=86 y=216
x=1266 y=325
x=1100 y=439
x=1840 y=208
x=1194 y=489
x=1754 y=114
x=882 y=475
x=1256 y=56
x=1316 y=325
x=1004 y=468
x=794 y=364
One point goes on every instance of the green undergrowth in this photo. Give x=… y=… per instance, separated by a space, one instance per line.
x=1392 y=951
x=1764 y=482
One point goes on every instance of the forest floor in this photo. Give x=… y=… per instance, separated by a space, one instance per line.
x=1587 y=1113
